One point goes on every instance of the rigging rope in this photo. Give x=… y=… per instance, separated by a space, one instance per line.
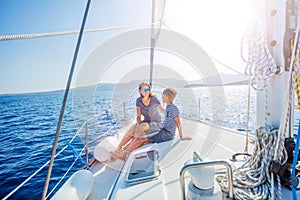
x=260 y=64
x=296 y=71
x=248 y=118
x=53 y=34
x=296 y=86
x=254 y=180
x=293 y=172
x=267 y=114
x=76 y=156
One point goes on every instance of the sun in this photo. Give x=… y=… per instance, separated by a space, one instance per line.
x=217 y=26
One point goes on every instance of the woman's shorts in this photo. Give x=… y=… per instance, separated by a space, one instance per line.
x=161 y=136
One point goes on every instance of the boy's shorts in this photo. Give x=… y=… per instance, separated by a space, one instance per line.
x=162 y=135
x=154 y=126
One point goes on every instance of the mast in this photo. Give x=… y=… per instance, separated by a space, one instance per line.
x=278 y=95
x=158 y=7
x=270 y=101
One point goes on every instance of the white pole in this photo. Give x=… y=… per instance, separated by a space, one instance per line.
x=272 y=95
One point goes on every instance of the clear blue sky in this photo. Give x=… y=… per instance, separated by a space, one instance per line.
x=43 y=64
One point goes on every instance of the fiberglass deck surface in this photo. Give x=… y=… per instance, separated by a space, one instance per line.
x=212 y=142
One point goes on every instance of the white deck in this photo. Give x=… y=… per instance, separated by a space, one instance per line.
x=213 y=143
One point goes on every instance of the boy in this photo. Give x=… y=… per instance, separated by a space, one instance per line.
x=166 y=133
x=172 y=120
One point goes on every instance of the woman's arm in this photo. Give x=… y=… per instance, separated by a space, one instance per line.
x=138 y=114
x=177 y=120
x=161 y=109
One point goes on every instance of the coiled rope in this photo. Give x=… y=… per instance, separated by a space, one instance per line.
x=261 y=65
x=76 y=155
x=296 y=71
x=253 y=179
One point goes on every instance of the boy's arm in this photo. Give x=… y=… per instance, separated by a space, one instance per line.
x=177 y=120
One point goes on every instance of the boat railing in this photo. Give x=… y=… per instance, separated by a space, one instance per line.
x=186 y=167
x=83 y=150
x=66 y=173
x=87 y=142
x=47 y=163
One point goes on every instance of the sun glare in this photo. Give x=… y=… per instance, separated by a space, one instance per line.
x=217 y=26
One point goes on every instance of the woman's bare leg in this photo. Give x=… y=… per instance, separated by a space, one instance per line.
x=132 y=140
x=140 y=131
x=134 y=144
x=127 y=137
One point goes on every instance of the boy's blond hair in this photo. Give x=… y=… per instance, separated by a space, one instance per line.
x=170 y=93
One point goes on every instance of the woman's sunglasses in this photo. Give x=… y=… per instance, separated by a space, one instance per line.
x=146 y=90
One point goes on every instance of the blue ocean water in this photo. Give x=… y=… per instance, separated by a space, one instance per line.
x=28 y=126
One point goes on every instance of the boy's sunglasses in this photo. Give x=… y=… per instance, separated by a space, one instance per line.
x=146 y=90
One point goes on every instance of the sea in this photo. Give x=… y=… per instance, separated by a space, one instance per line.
x=28 y=126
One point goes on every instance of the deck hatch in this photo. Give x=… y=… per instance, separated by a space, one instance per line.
x=144 y=167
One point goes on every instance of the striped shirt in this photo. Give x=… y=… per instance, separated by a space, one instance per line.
x=170 y=114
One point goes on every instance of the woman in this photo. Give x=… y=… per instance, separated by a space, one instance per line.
x=148 y=106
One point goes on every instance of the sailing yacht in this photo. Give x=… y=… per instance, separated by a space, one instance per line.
x=218 y=163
